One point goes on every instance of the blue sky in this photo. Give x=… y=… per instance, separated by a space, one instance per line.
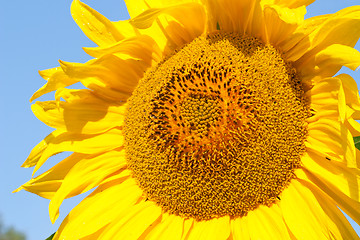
x=34 y=35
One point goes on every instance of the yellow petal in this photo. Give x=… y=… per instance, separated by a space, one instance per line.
x=121 y=174
x=328 y=94
x=348 y=205
x=75 y=95
x=321 y=214
x=280 y=22
x=240 y=229
x=140 y=47
x=293 y=3
x=217 y=228
x=110 y=70
x=341 y=28
x=299 y=205
x=322 y=31
x=147 y=18
x=81 y=143
x=38 y=150
x=353 y=126
x=336 y=222
x=46 y=184
x=100 y=208
x=267 y=223
x=340 y=54
x=188 y=22
x=88 y=117
x=85 y=175
x=170 y=228
x=351 y=94
x=350 y=88
x=95 y=26
x=328 y=61
x=138 y=7
x=133 y=222
x=336 y=174
x=299 y=36
x=236 y=16
x=45 y=189
x=126 y=29
x=332 y=139
x=184 y=24
x=173 y=28
x=56 y=78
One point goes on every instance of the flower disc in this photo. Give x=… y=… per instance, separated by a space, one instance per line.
x=218 y=128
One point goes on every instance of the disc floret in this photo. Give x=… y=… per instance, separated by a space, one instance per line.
x=218 y=128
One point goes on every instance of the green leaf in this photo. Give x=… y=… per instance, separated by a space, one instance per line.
x=357 y=142
x=51 y=237
x=217 y=26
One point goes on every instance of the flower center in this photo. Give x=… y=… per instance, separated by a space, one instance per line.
x=218 y=128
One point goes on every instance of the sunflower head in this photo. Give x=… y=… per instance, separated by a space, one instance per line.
x=201 y=118
x=206 y=120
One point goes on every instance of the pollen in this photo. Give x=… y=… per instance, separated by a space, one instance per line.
x=217 y=128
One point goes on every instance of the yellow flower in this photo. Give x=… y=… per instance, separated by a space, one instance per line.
x=205 y=119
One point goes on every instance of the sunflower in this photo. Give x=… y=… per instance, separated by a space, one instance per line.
x=205 y=119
